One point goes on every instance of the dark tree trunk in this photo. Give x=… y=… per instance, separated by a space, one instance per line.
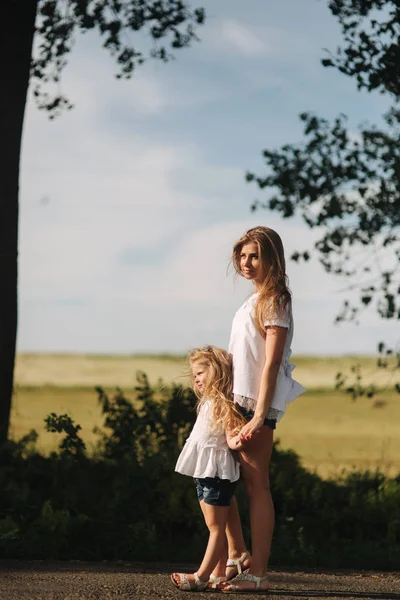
x=18 y=25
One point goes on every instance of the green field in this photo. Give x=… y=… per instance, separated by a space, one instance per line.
x=324 y=426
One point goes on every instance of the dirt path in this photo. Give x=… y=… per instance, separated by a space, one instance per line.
x=37 y=580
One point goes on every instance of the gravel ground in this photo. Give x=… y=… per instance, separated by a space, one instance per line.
x=43 y=580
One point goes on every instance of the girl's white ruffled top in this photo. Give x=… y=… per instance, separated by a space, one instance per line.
x=247 y=347
x=206 y=453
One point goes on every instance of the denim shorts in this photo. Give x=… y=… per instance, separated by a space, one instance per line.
x=215 y=491
x=249 y=414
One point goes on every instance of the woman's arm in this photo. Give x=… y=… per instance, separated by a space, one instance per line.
x=274 y=346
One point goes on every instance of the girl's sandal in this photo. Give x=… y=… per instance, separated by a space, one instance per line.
x=235 y=589
x=215 y=581
x=237 y=563
x=184 y=583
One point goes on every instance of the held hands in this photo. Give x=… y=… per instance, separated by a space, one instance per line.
x=246 y=434
x=251 y=428
x=234 y=442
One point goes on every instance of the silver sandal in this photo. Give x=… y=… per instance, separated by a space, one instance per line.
x=237 y=562
x=246 y=577
x=184 y=583
x=214 y=581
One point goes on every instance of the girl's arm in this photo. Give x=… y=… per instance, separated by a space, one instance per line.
x=274 y=347
x=234 y=441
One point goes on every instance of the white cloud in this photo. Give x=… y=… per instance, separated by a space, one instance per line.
x=119 y=197
x=126 y=236
x=257 y=40
x=147 y=95
x=244 y=39
x=188 y=300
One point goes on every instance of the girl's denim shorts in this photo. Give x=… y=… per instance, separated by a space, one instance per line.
x=215 y=491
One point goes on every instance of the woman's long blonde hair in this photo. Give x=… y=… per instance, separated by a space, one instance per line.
x=218 y=388
x=274 y=294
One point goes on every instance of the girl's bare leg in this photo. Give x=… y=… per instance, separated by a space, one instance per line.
x=219 y=570
x=234 y=534
x=254 y=461
x=216 y=553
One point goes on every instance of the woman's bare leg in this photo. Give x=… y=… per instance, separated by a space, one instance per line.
x=254 y=462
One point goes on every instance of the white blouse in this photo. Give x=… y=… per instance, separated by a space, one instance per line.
x=206 y=453
x=247 y=347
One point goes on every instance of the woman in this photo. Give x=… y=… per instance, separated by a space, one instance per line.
x=262 y=332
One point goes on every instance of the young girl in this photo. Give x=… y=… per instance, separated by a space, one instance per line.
x=261 y=336
x=207 y=457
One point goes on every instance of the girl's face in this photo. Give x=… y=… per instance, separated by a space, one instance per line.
x=200 y=374
x=250 y=263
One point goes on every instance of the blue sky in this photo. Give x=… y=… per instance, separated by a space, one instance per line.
x=130 y=203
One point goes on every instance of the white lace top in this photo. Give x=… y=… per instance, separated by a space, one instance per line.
x=247 y=347
x=206 y=453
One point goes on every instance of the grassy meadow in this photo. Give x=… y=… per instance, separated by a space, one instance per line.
x=325 y=427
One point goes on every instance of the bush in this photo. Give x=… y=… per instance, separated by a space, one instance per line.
x=126 y=501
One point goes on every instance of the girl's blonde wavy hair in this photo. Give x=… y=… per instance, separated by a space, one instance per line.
x=274 y=294
x=218 y=388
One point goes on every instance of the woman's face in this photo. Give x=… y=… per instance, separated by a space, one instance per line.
x=200 y=373
x=250 y=263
